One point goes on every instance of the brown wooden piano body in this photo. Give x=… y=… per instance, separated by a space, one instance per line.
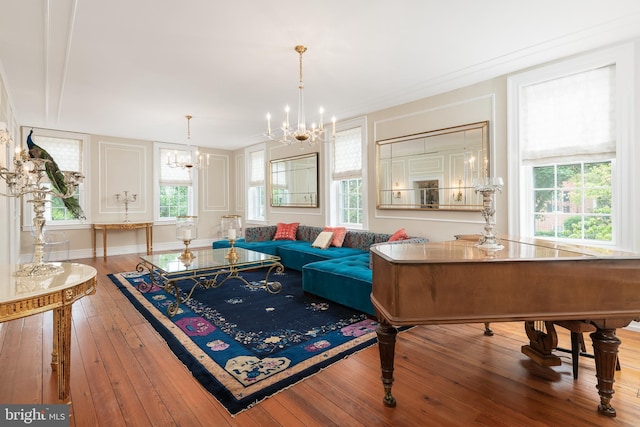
x=528 y=280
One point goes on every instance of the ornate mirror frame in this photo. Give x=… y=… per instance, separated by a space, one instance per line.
x=433 y=170
x=294 y=181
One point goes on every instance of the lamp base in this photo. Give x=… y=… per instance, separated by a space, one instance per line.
x=186 y=254
x=38 y=270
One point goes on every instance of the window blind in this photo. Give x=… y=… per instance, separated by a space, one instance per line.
x=569 y=117
x=347 y=154
x=257 y=168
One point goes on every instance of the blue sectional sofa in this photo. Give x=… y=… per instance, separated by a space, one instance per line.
x=342 y=275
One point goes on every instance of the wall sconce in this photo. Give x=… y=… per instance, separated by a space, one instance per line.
x=457 y=197
x=396 y=194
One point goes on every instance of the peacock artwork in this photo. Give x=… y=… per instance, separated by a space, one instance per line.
x=56 y=177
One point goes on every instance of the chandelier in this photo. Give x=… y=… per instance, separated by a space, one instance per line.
x=288 y=135
x=187 y=162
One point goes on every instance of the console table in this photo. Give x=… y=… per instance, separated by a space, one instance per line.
x=24 y=296
x=148 y=226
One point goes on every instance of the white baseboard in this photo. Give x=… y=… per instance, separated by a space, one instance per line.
x=55 y=256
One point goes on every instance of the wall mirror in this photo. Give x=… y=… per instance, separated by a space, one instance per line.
x=433 y=170
x=294 y=181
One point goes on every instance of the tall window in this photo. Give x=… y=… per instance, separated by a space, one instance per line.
x=347 y=186
x=256 y=200
x=69 y=150
x=567 y=134
x=176 y=196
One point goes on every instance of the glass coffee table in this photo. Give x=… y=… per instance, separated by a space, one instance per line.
x=208 y=269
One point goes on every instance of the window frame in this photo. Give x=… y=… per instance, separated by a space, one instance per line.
x=84 y=188
x=333 y=197
x=623 y=173
x=249 y=202
x=157 y=165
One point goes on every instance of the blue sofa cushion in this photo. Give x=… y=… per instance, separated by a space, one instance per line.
x=345 y=280
x=296 y=255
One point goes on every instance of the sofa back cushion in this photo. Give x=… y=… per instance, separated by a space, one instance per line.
x=260 y=234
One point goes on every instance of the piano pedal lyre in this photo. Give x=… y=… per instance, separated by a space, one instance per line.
x=543 y=339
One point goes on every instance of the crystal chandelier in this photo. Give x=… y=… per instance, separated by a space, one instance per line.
x=288 y=135
x=188 y=162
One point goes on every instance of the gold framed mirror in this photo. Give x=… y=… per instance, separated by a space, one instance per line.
x=433 y=170
x=294 y=181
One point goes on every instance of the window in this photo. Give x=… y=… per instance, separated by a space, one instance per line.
x=347 y=187
x=256 y=201
x=70 y=151
x=566 y=123
x=177 y=186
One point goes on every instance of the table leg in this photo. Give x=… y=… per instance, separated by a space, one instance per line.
x=94 y=241
x=61 y=354
x=104 y=243
x=386 y=344
x=605 y=346
x=148 y=233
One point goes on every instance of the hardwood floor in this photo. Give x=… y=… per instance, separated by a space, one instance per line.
x=124 y=374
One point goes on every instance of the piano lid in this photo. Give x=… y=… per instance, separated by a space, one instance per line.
x=515 y=249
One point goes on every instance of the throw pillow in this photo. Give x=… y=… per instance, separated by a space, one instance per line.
x=399 y=235
x=339 y=234
x=323 y=240
x=286 y=231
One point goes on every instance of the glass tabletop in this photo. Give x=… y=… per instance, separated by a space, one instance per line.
x=207 y=259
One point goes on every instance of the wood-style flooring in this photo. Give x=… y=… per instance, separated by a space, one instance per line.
x=123 y=374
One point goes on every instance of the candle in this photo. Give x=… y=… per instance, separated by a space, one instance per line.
x=186 y=235
x=232 y=234
x=333 y=126
x=321 y=117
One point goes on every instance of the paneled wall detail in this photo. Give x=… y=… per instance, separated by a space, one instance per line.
x=122 y=168
x=215 y=195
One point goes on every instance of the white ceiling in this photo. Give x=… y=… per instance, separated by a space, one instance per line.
x=135 y=68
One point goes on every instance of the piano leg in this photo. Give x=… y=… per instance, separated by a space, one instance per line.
x=605 y=346
x=386 y=344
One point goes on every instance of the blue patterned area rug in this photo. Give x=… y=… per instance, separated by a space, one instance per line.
x=245 y=344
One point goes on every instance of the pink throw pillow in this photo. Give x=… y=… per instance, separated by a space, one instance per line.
x=286 y=231
x=339 y=234
x=399 y=235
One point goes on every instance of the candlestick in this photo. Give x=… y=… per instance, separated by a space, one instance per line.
x=126 y=200
x=488 y=187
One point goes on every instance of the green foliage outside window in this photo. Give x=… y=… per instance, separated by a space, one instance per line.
x=174 y=201
x=574 y=201
x=351 y=193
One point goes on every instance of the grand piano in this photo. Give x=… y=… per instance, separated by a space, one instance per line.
x=530 y=280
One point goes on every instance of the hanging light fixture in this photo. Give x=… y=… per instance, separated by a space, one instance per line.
x=187 y=163
x=288 y=135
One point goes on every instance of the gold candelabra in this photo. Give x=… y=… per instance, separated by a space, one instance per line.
x=28 y=178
